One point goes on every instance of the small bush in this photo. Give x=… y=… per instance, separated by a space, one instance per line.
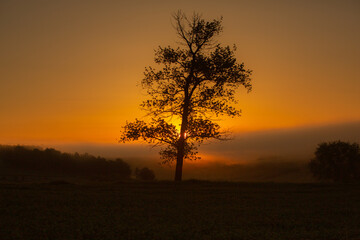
x=144 y=174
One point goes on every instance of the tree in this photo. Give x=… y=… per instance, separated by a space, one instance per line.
x=195 y=82
x=52 y=162
x=338 y=161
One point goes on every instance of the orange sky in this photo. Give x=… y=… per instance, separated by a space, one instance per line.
x=69 y=69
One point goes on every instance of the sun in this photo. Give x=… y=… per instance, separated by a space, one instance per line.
x=177 y=123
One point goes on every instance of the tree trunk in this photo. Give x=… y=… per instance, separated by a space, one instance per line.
x=181 y=143
x=179 y=160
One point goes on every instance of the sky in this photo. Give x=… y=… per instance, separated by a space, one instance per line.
x=70 y=70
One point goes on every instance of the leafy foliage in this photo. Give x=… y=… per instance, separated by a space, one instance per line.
x=53 y=162
x=193 y=83
x=337 y=161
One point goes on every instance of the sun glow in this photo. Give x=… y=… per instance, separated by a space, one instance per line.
x=177 y=123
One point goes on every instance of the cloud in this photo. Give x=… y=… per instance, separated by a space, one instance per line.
x=296 y=143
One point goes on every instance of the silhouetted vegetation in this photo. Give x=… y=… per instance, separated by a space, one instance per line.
x=197 y=80
x=144 y=174
x=53 y=162
x=338 y=161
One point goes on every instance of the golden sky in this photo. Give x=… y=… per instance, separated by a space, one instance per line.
x=69 y=70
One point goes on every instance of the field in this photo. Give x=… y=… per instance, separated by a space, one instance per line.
x=188 y=210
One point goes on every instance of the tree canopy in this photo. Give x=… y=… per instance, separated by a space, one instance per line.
x=52 y=162
x=193 y=83
x=338 y=161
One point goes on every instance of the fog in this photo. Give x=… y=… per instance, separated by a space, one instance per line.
x=296 y=143
x=272 y=155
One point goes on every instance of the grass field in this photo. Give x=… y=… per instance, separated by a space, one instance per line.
x=188 y=210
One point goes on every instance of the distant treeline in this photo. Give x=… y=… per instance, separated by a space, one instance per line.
x=53 y=162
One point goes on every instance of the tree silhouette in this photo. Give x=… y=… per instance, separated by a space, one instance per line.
x=338 y=161
x=53 y=162
x=195 y=82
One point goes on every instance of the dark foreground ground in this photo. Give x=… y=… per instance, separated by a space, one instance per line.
x=190 y=210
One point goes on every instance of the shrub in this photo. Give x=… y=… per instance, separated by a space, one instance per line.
x=144 y=174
